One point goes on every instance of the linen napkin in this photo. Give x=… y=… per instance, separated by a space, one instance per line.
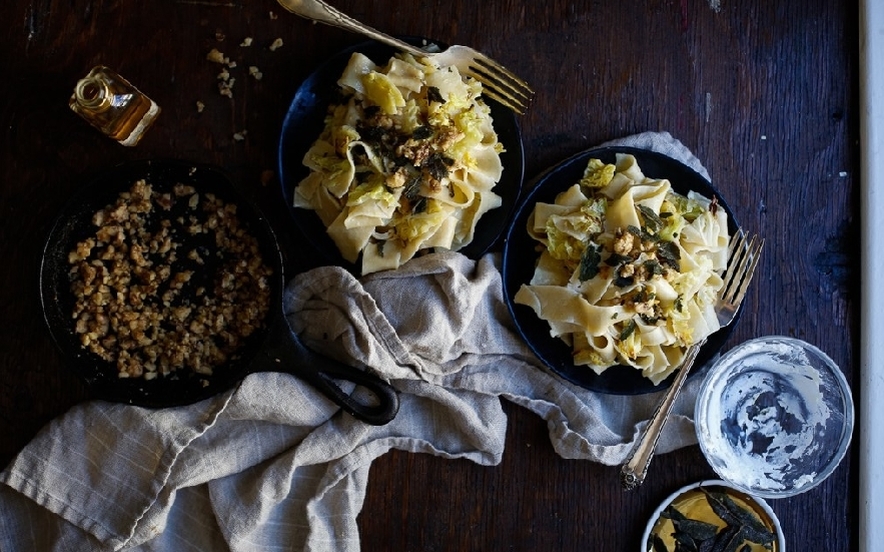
x=274 y=464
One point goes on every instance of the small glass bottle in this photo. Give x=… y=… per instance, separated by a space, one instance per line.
x=111 y=104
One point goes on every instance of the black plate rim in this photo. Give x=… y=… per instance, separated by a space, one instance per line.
x=617 y=380
x=306 y=123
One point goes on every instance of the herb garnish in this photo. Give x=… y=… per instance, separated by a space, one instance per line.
x=589 y=262
x=437 y=165
x=669 y=254
x=422 y=132
x=628 y=330
x=615 y=259
x=413 y=188
x=653 y=268
x=653 y=223
x=623 y=281
x=741 y=528
x=679 y=303
x=412 y=194
x=434 y=95
x=635 y=231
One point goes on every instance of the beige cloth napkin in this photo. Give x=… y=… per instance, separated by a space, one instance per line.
x=274 y=464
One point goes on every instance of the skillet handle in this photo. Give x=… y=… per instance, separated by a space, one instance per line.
x=291 y=355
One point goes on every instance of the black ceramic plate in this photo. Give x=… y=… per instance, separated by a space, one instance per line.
x=305 y=120
x=519 y=258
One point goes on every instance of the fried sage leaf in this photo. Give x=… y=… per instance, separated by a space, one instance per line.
x=698 y=530
x=589 y=262
x=659 y=545
x=734 y=515
x=741 y=528
x=653 y=223
x=730 y=539
x=669 y=255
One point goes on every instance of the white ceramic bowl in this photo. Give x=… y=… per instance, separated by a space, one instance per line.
x=658 y=524
x=774 y=416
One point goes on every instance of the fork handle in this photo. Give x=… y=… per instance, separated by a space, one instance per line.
x=317 y=10
x=634 y=470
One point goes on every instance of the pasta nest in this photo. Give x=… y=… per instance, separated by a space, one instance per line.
x=406 y=162
x=629 y=270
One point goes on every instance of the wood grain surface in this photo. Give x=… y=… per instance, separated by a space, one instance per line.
x=765 y=93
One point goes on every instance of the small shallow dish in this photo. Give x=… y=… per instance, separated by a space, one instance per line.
x=774 y=416
x=304 y=122
x=520 y=258
x=693 y=501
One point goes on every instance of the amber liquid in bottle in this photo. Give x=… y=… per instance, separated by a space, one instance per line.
x=113 y=105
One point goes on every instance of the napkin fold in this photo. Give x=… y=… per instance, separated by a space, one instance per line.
x=275 y=464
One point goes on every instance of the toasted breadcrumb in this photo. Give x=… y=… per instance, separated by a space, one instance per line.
x=139 y=308
x=217 y=57
x=225 y=87
x=276 y=45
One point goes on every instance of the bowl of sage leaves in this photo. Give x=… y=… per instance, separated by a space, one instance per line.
x=712 y=516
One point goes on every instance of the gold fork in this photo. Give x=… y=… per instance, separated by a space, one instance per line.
x=743 y=257
x=498 y=83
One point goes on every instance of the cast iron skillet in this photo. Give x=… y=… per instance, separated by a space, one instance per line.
x=280 y=348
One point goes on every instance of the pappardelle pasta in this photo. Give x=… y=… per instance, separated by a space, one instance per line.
x=629 y=269
x=406 y=162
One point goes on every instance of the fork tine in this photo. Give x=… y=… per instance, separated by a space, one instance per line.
x=753 y=254
x=509 y=103
x=499 y=83
x=742 y=261
x=499 y=89
x=734 y=250
x=504 y=75
x=502 y=87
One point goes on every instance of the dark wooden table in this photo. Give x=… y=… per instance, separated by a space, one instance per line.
x=765 y=93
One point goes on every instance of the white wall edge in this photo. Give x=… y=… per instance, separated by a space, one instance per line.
x=871 y=400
